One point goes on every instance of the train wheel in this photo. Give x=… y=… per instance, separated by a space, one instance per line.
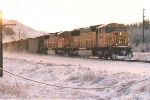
x=64 y=53
x=45 y=53
x=99 y=54
x=71 y=54
x=67 y=53
x=112 y=56
x=130 y=55
x=106 y=56
x=78 y=55
x=59 y=52
x=93 y=53
x=56 y=52
x=100 y=57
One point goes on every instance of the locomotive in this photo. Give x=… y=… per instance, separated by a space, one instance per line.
x=104 y=41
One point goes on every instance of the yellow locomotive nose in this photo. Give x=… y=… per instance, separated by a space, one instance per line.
x=120 y=38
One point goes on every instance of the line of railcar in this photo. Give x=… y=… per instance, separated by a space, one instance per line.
x=30 y=45
x=105 y=41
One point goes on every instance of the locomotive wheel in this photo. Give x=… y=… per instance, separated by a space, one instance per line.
x=99 y=54
x=78 y=55
x=45 y=53
x=100 y=57
x=71 y=54
x=93 y=53
x=67 y=54
x=106 y=56
x=56 y=52
x=64 y=53
x=112 y=56
x=130 y=55
x=59 y=52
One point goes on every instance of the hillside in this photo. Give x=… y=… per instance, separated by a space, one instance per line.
x=12 y=32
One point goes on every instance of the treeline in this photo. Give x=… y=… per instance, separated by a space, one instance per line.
x=135 y=31
x=8 y=31
x=140 y=25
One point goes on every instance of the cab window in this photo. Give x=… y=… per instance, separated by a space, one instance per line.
x=122 y=29
x=110 y=29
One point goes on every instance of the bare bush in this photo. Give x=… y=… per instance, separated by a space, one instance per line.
x=12 y=91
x=87 y=77
x=144 y=86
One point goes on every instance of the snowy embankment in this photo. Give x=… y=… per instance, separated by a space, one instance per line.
x=113 y=80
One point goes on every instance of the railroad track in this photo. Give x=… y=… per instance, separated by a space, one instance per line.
x=96 y=58
x=142 y=61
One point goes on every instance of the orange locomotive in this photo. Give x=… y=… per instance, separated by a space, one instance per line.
x=113 y=42
x=105 y=41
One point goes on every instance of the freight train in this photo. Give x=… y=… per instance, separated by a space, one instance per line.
x=104 y=41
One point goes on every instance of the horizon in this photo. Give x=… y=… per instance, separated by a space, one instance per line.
x=63 y=15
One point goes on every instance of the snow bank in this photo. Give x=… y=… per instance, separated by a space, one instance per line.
x=113 y=80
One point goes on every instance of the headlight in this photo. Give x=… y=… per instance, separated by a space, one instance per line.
x=128 y=44
x=116 y=44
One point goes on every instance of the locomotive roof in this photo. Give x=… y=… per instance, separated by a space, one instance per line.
x=97 y=25
x=102 y=25
x=78 y=29
x=110 y=24
x=50 y=33
x=61 y=32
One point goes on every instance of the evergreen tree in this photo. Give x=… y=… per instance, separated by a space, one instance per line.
x=135 y=31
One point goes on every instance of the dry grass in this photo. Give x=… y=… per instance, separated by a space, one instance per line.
x=143 y=87
x=12 y=91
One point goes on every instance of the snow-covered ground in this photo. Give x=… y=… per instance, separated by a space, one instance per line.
x=107 y=80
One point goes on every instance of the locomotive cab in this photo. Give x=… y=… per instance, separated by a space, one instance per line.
x=113 y=42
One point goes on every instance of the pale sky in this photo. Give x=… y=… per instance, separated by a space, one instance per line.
x=65 y=15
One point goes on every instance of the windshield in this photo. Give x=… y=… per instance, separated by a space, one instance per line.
x=65 y=35
x=110 y=29
x=122 y=29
